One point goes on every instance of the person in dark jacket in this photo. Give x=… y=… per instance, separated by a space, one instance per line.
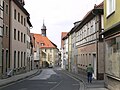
x=90 y=72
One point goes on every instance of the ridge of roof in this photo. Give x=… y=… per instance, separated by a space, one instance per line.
x=99 y=5
x=91 y=14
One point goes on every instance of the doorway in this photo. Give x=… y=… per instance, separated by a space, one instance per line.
x=2 y=61
x=94 y=66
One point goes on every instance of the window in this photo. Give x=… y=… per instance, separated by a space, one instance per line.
x=14 y=59
x=24 y=38
x=94 y=25
x=6 y=30
x=18 y=35
x=21 y=19
x=50 y=50
x=6 y=9
x=3 y=5
x=102 y=21
x=18 y=17
x=42 y=44
x=21 y=59
x=3 y=29
x=14 y=34
x=15 y=14
x=1 y=10
x=112 y=58
x=1 y=13
x=24 y=22
x=24 y=58
x=110 y=6
x=18 y=58
x=21 y=37
x=7 y=59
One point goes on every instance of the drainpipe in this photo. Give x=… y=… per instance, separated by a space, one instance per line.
x=9 y=32
x=98 y=44
x=97 y=40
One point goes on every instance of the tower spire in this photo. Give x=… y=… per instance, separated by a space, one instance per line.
x=43 y=21
x=43 y=29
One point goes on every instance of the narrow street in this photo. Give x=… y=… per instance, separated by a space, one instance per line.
x=48 y=79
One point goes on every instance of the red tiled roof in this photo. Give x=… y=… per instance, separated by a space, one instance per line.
x=43 y=40
x=63 y=34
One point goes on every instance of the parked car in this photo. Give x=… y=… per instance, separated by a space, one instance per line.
x=50 y=66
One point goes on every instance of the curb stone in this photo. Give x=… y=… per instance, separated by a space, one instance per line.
x=18 y=78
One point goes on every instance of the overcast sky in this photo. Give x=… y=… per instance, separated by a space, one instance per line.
x=58 y=15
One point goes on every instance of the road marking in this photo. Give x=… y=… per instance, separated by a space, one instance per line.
x=44 y=75
x=56 y=85
x=75 y=84
x=52 y=82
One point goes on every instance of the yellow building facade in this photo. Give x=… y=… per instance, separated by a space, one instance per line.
x=112 y=43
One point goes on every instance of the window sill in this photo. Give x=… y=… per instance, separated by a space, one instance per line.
x=110 y=14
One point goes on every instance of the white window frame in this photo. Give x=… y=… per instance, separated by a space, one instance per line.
x=111 y=5
x=102 y=21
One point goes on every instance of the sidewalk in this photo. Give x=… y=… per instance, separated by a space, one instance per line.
x=14 y=78
x=95 y=85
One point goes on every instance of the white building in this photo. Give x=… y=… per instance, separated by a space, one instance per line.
x=65 y=63
x=36 y=55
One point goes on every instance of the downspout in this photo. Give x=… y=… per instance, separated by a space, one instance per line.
x=97 y=39
x=98 y=46
x=9 y=33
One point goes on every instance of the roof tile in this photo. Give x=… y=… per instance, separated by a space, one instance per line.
x=43 y=40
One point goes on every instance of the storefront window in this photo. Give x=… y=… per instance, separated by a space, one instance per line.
x=113 y=56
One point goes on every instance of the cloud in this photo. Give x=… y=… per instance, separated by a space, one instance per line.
x=59 y=15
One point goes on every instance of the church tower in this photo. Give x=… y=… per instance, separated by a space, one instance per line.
x=43 y=30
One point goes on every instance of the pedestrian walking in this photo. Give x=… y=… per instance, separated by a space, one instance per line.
x=90 y=72
x=37 y=66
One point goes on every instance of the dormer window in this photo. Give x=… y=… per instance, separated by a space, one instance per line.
x=21 y=2
x=42 y=44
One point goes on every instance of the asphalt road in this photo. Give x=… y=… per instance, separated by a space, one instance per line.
x=48 y=79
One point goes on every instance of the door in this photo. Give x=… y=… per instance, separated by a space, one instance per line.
x=2 y=61
x=94 y=66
